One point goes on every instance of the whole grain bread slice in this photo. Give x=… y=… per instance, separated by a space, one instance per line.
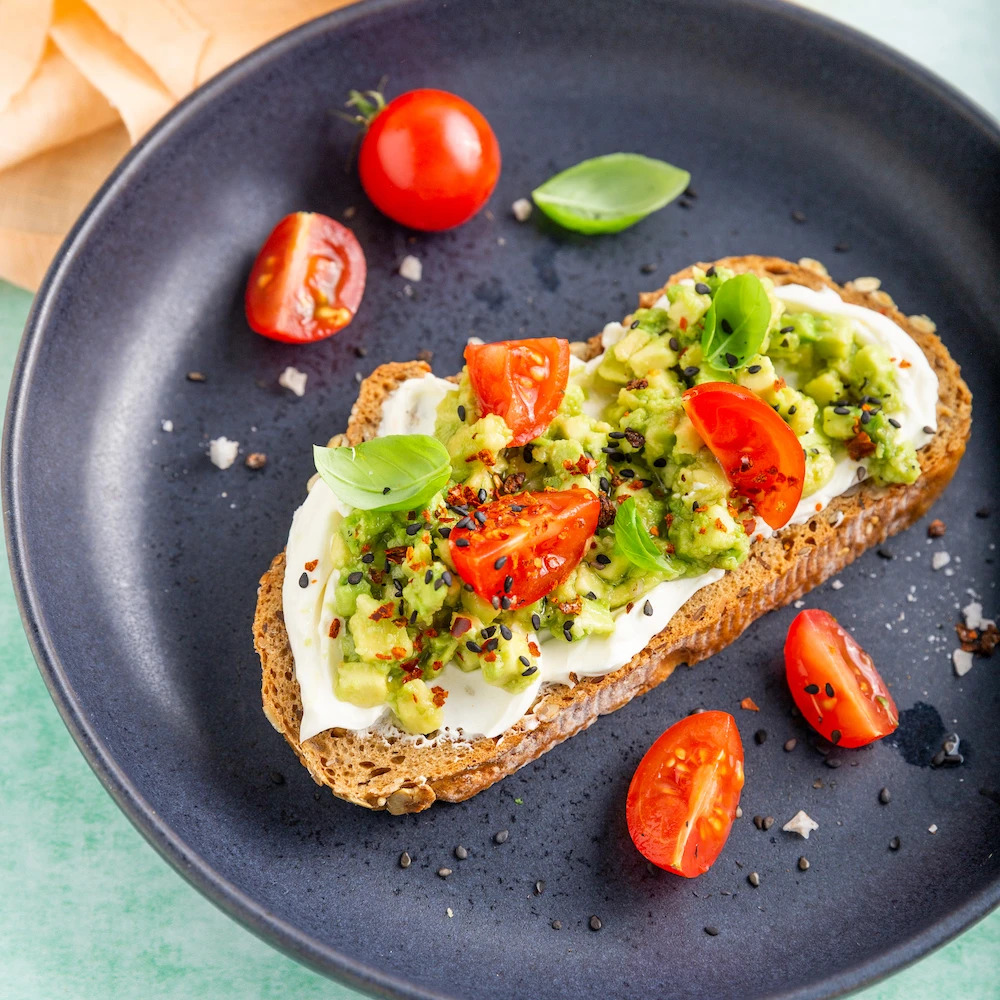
x=399 y=773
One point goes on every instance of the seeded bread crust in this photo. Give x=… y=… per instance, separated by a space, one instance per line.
x=401 y=774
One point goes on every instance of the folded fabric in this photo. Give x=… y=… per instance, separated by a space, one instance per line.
x=81 y=79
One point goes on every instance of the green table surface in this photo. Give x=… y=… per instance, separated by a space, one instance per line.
x=89 y=910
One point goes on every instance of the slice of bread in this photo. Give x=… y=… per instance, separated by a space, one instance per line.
x=400 y=773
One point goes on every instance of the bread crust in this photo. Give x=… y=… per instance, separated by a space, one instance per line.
x=408 y=775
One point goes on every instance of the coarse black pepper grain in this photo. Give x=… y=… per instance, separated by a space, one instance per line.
x=595 y=923
x=500 y=837
x=884 y=796
x=712 y=931
x=895 y=844
x=760 y=737
x=405 y=860
x=983 y=513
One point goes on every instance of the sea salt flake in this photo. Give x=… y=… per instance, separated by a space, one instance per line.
x=292 y=378
x=802 y=824
x=939 y=560
x=222 y=452
x=962 y=662
x=837 y=584
x=800 y=604
x=167 y=426
x=933 y=828
x=521 y=209
x=411 y=268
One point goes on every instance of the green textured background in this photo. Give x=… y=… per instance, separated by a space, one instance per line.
x=88 y=910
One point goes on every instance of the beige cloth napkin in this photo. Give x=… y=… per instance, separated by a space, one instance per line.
x=82 y=79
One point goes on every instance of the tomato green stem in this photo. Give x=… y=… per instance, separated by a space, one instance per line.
x=367 y=104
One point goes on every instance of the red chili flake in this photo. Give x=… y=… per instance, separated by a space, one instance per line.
x=636 y=383
x=462 y=496
x=334 y=628
x=460 y=626
x=398 y=652
x=981 y=641
x=570 y=608
x=670 y=550
x=905 y=364
x=485 y=456
x=629 y=606
x=489 y=657
x=533 y=648
x=584 y=465
x=749 y=704
x=440 y=695
x=750 y=526
x=377 y=577
x=511 y=484
x=719 y=525
x=861 y=445
x=382 y=611
x=311 y=565
x=437 y=664
x=384 y=656
x=683 y=322
x=396 y=554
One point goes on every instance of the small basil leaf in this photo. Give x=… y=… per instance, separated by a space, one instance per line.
x=396 y=472
x=632 y=541
x=736 y=322
x=609 y=193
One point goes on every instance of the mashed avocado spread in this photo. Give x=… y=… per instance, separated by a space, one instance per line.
x=402 y=613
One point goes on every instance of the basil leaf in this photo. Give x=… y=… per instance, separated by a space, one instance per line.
x=412 y=466
x=632 y=540
x=609 y=193
x=736 y=322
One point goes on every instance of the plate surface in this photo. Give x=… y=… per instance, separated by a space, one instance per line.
x=136 y=560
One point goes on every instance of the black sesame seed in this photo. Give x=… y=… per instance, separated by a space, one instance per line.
x=710 y=273
x=439 y=583
x=536 y=622
x=660 y=463
x=595 y=923
x=675 y=344
x=884 y=796
x=753 y=369
x=385 y=490
x=626 y=473
x=812 y=689
x=701 y=288
x=835 y=736
x=529 y=671
x=398 y=585
x=474 y=647
x=829 y=689
x=617 y=435
x=412 y=529
x=488 y=633
x=352 y=578
x=508 y=583
x=528 y=453
x=760 y=736
x=368 y=558
x=525 y=661
x=506 y=632
x=516 y=508
x=601 y=559
x=480 y=517
x=447 y=577
x=468 y=587
x=787 y=329
x=727 y=327
x=428 y=576
x=690 y=371
x=500 y=563
x=482 y=494
x=647 y=609
x=604 y=484
x=590 y=595
x=505 y=603
x=413 y=618
x=490 y=647
x=462 y=543
x=928 y=429
x=895 y=423
x=865 y=416
x=712 y=931
x=304 y=580
x=895 y=844
x=501 y=837
x=731 y=360
x=461 y=412
x=568 y=625
x=495 y=601
x=635 y=323
x=464 y=522
x=841 y=410
x=792 y=410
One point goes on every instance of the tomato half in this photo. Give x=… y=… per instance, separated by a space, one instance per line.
x=835 y=684
x=522 y=381
x=528 y=544
x=307 y=280
x=758 y=451
x=429 y=160
x=683 y=797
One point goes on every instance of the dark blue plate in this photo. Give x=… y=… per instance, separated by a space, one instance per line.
x=136 y=561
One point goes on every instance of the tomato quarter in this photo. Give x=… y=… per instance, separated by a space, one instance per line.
x=428 y=160
x=683 y=797
x=528 y=544
x=758 y=451
x=835 y=684
x=522 y=381
x=307 y=280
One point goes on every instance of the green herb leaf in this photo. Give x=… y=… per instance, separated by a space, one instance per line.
x=632 y=540
x=736 y=322
x=609 y=193
x=413 y=467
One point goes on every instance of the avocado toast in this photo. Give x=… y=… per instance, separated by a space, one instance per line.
x=384 y=767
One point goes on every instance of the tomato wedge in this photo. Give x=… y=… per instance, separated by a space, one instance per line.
x=522 y=381
x=683 y=797
x=835 y=684
x=528 y=544
x=758 y=451
x=307 y=280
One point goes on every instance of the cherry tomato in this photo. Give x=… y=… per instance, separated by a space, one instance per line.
x=835 y=684
x=758 y=451
x=307 y=280
x=522 y=381
x=429 y=160
x=684 y=794
x=529 y=544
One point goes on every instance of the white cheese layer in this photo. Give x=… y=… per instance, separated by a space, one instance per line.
x=473 y=707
